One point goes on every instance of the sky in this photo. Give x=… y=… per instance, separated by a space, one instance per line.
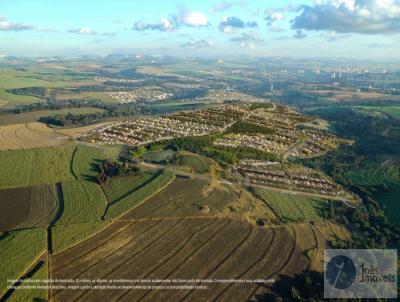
x=363 y=29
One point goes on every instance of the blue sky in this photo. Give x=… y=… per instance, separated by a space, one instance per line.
x=320 y=28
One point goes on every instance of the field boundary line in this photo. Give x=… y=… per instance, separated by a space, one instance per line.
x=142 y=201
x=7 y=294
x=72 y=162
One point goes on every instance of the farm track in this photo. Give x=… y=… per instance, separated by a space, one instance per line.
x=170 y=256
x=130 y=258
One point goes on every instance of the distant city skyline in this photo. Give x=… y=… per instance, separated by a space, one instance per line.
x=362 y=29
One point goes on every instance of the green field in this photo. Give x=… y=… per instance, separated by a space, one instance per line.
x=159 y=156
x=120 y=187
x=86 y=159
x=293 y=208
x=23 y=168
x=83 y=202
x=65 y=236
x=128 y=202
x=7 y=119
x=34 y=294
x=374 y=177
x=391 y=111
x=194 y=162
x=17 y=99
x=19 y=250
x=386 y=180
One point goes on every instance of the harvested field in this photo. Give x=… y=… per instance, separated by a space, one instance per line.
x=37 y=206
x=348 y=96
x=77 y=131
x=36 y=166
x=28 y=136
x=34 y=116
x=187 y=248
x=184 y=197
x=12 y=199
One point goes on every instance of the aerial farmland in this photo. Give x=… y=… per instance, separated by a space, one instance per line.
x=150 y=181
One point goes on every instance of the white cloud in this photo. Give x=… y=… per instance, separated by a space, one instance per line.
x=83 y=31
x=193 y=19
x=6 y=25
x=351 y=16
x=272 y=15
x=164 y=24
x=202 y=43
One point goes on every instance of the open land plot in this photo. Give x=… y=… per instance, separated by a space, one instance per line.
x=86 y=159
x=21 y=249
x=135 y=198
x=22 y=168
x=292 y=208
x=28 y=117
x=13 y=99
x=388 y=180
x=77 y=131
x=120 y=187
x=82 y=202
x=27 y=207
x=193 y=162
x=185 y=197
x=159 y=157
x=348 y=96
x=28 y=136
x=10 y=200
x=203 y=248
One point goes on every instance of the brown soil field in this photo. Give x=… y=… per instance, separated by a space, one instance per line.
x=188 y=248
x=27 y=136
x=37 y=207
x=185 y=197
x=75 y=132
x=336 y=96
x=10 y=201
x=3 y=102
